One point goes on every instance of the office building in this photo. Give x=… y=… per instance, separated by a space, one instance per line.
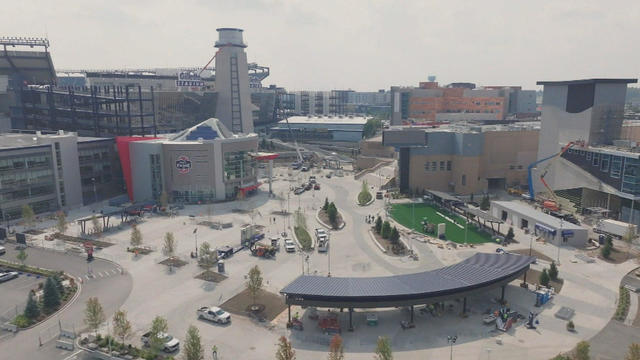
x=323 y=128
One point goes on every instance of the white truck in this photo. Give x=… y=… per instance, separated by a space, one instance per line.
x=289 y=246
x=171 y=344
x=214 y=314
x=614 y=227
x=322 y=238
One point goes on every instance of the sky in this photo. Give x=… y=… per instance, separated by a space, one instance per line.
x=347 y=44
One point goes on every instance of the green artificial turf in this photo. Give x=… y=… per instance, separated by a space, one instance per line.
x=402 y=214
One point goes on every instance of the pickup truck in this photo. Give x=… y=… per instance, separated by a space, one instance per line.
x=171 y=344
x=214 y=314
x=289 y=246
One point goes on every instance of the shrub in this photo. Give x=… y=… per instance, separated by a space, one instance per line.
x=364 y=196
x=582 y=351
x=21 y=321
x=571 y=326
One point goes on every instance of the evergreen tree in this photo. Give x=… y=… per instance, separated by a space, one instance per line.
x=606 y=251
x=386 y=230
x=510 y=235
x=485 y=204
x=326 y=204
x=395 y=235
x=31 y=311
x=553 y=271
x=544 y=278
x=378 y=224
x=51 y=295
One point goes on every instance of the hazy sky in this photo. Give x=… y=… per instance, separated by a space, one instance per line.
x=362 y=45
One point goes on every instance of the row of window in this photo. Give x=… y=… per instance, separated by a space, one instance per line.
x=605 y=162
x=433 y=166
x=32 y=161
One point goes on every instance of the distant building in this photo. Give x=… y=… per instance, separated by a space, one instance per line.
x=51 y=171
x=463 y=159
x=327 y=128
x=458 y=102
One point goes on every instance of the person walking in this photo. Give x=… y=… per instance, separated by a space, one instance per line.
x=215 y=352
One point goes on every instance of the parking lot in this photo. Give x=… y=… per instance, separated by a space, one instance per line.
x=14 y=295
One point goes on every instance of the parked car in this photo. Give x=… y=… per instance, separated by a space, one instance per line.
x=214 y=314
x=379 y=195
x=298 y=191
x=316 y=186
x=289 y=246
x=312 y=179
x=171 y=344
x=6 y=276
x=2 y=250
x=320 y=232
x=308 y=187
x=304 y=168
x=328 y=175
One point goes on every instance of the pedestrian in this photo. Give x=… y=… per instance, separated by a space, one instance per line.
x=215 y=352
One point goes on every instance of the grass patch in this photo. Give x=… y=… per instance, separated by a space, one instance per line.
x=303 y=237
x=623 y=304
x=402 y=214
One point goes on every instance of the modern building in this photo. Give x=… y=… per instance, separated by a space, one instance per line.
x=458 y=102
x=539 y=224
x=463 y=159
x=601 y=168
x=334 y=102
x=204 y=163
x=323 y=128
x=51 y=171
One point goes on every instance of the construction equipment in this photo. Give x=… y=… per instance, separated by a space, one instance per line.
x=550 y=205
x=262 y=250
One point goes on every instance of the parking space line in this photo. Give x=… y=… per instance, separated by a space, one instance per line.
x=87 y=276
x=100 y=274
x=114 y=271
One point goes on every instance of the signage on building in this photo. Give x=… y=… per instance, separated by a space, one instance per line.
x=183 y=164
x=189 y=79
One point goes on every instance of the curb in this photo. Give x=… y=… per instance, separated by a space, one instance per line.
x=329 y=227
x=367 y=204
x=295 y=238
x=377 y=243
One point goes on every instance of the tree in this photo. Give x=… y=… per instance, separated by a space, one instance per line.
x=485 y=204
x=193 y=349
x=371 y=127
x=582 y=351
x=31 y=311
x=628 y=237
x=281 y=200
x=121 y=325
x=332 y=213
x=28 y=215
x=22 y=256
x=136 y=236
x=553 y=271
x=544 y=278
x=169 y=246
x=93 y=314
x=383 y=349
x=95 y=224
x=285 y=350
x=254 y=283
x=395 y=235
x=386 y=230
x=606 y=251
x=364 y=196
x=50 y=296
x=510 y=235
x=326 y=204
x=634 y=352
x=158 y=326
x=378 y=225
x=336 y=351
x=609 y=241
x=164 y=199
x=208 y=257
x=61 y=223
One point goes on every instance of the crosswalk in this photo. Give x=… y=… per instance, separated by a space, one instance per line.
x=97 y=275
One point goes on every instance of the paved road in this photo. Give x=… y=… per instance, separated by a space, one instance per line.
x=107 y=283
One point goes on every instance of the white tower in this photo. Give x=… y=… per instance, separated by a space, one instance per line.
x=232 y=82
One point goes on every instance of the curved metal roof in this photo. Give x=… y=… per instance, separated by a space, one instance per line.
x=478 y=271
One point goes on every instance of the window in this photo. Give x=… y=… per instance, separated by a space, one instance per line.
x=616 y=166
x=426 y=166
x=596 y=159
x=434 y=166
x=589 y=156
x=464 y=180
x=449 y=165
x=441 y=165
x=604 y=164
x=511 y=167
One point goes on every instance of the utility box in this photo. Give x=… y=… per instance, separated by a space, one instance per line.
x=221 y=266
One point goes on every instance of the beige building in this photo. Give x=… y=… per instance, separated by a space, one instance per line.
x=463 y=159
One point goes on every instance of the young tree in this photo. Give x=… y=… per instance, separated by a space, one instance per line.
x=395 y=235
x=136 y=236
x=193 y=349
x=61 y=223
x=628 y=238
x=336 y=351
x=332 y=213
x=510 y=235
x=50 y=296
x=326 y=204
x=31 y=311
x=158 y=326
x=22 y=256
x=553 y=271
x=485 y=204
x=208 y=257
x=544 y=278
x=169 y=246
x=285 y=350
x=28 y=215
x=254 y=283
x=93 y=314
x=383 y=349
x=378 y=225
x=582 y=351
x=121 y=325
x=386 y=230
x=606 y=251
x=634 y=352
x=164 y=199
x=281 y=201
x=95 y=224
x=609 y=241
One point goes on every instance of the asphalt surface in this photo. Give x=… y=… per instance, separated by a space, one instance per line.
x=100 y=278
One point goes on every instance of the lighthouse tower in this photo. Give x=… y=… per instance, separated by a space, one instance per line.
x=232 y=82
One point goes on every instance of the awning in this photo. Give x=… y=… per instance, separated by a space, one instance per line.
x=567 y=233
x=545 y=229
x=249 y=187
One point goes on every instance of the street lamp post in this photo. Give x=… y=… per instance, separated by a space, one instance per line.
x=195 y=232
x=451 y=340
x=560 y=241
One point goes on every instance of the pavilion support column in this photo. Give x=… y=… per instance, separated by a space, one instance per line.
x=350 y=319
x=289 y=307
x=502 y=294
